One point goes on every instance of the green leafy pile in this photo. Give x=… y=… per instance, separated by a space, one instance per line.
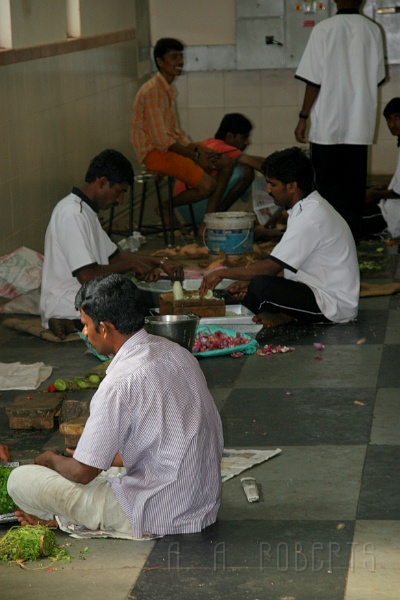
x=6 y=503
x=30 y=542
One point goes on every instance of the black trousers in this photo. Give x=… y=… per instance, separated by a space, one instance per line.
x=267 y=293
x=341 y=178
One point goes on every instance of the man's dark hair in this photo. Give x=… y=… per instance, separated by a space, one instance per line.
x=290 y=165
x=233 y=123
x=110 y=164
x=165 y=45
x=393 y=106
x=112 y=298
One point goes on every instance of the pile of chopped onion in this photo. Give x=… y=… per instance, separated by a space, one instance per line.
x=218 y=341
x=270 y=349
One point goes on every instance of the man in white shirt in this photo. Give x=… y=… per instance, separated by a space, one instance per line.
x=152 y=414
x=383 y=200
x=77 y=248
x=312 y=275
x=342 y=66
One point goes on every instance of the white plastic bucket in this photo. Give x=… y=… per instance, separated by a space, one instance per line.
x=229 y=232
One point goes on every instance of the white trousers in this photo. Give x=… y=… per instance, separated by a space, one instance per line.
x=44 y=493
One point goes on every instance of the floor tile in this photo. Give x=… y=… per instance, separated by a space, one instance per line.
x=222 y=371
x=389 y=372
x=393 y=327
x=386 y=421
x=256 y=417
x=250 y=559
x=370 y=324
x=303 y=482
x=342 y=366
x=380 y=491
x=374 y=572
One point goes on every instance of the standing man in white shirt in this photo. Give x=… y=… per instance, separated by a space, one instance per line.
x=342 y=66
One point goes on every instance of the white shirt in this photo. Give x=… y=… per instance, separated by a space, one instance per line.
x=391 y=207
x=318 y=249
x=74 y=239
x=155 y=409
x=344 y=55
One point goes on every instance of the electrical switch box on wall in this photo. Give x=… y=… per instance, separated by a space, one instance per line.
x=272 y=34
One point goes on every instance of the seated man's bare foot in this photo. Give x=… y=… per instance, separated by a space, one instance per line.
x=26 y=519
x=272 y=319
x=61 y=327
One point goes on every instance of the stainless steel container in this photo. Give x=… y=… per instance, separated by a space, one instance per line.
x=178 y=328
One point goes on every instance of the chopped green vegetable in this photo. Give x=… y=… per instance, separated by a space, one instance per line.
x=30 y=542
x=6 y=503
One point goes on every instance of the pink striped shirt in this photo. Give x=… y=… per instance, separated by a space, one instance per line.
x=154 y=123
x=155 y=409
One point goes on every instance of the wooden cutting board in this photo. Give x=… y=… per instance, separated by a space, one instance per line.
x=203 y=308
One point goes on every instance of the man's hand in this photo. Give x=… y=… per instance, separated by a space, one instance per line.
x=300 y=131
x=210 y=281
x=145 y=272
x=4 y=453
x=173 y=269
x=238 y=289
x=70 y=468
x=373 y=194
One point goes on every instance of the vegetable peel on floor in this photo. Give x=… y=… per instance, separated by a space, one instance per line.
x=30 y=542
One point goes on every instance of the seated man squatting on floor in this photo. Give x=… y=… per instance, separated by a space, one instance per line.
x=78 y=249
x=382 y=213
x=152 y=414
x=312 y=274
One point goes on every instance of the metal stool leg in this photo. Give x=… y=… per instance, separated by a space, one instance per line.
x=161 y=210
x=129 y=231
x=171 y=208
x=142 y=202
x=193 y=219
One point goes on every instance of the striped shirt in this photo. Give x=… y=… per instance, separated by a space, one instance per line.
x=154 y=123
x=155 y=409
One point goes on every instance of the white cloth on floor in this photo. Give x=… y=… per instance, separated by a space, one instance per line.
x=16 y=376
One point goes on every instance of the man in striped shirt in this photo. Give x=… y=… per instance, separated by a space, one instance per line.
x=160 y=144
x=152 y=414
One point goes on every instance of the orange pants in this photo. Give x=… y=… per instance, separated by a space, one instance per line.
x=174 y=165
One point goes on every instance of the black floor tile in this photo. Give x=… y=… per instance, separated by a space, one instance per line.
x=370 y=324
x=305 y=560
x=389 y=372
x=257 y=417
x=380 y=491
x=222 y=371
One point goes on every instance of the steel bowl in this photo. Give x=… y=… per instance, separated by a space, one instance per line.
x=177 y=328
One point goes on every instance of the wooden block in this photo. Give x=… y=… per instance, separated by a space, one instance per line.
x=203 y=308
x=73 y=429
x=34 y=410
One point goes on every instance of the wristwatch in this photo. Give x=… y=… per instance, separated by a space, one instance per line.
x=301 y=116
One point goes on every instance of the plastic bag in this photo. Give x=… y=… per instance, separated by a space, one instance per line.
x=20 y=272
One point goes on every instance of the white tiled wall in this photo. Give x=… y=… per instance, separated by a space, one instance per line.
x=271 y=99
x=57 y=113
